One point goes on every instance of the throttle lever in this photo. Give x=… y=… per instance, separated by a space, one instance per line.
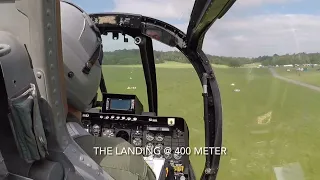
x=167 y=172
x=170 y=173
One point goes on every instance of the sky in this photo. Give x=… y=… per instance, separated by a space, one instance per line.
x=250 y=28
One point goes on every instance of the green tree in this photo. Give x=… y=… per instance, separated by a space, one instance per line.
x=234 y=63
x=132 y=56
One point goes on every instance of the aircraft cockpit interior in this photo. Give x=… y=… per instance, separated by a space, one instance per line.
x=37 y=143
x=122 y=115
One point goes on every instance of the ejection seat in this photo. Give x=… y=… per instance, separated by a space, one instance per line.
x=25 y=119
x=34 y=141
x=22 y=135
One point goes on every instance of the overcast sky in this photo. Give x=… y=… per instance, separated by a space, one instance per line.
x=251 y=28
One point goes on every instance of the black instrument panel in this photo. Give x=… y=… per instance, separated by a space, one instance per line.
x=116 y=20
x=144 y=131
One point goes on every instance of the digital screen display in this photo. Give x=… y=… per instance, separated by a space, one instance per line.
x=158 y=129
x=120 y=104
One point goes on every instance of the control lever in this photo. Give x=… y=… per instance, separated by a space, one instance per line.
x=167 y=172
x=170 y=173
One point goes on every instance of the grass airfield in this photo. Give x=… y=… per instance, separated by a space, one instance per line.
x=311 y=76
x=269 y=123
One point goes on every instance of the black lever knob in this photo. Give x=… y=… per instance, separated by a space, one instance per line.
x=170 y=173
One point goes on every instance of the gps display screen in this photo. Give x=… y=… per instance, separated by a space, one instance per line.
x=120 y=104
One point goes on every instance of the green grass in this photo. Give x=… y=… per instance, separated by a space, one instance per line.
x=312 y=76
x=292 y=133
x=168 y=64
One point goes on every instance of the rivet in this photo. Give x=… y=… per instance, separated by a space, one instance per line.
x=48 y=26
x=56 y=103
x=70 y=74
x=81 y=158
x=51 y=66
x=39 y=75
x=48 y=12
x=50 y=53
x=89 y=165
x=54 y=91
x=50 y=40
x=73 y=150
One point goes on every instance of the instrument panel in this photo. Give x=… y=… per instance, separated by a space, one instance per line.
x=144 y=131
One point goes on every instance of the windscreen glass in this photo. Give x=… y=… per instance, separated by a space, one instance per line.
x=122 y=69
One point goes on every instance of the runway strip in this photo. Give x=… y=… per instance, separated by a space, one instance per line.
x=276 y=75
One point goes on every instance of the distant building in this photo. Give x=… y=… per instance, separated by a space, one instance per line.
x=288 y=65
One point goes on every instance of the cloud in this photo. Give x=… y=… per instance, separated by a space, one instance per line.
x=179 y=9
x=251 y=3
x=235 y=35
x=162 y=9
x=252 y=36
x=264 y=34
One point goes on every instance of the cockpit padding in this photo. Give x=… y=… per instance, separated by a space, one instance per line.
x=20 y=118
x=26 y=124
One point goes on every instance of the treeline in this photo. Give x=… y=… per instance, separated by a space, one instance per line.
x=299 y=58
x=132 y=56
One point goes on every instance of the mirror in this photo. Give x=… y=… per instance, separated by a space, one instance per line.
x=160 y=34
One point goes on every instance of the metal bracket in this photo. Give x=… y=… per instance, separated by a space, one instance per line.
x=41 y=81
x=115 y=36
x=125 y=39
x=204 y=80
x=210 y=171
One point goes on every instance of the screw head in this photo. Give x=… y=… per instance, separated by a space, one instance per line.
x=70 y=74
x=39 y=75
